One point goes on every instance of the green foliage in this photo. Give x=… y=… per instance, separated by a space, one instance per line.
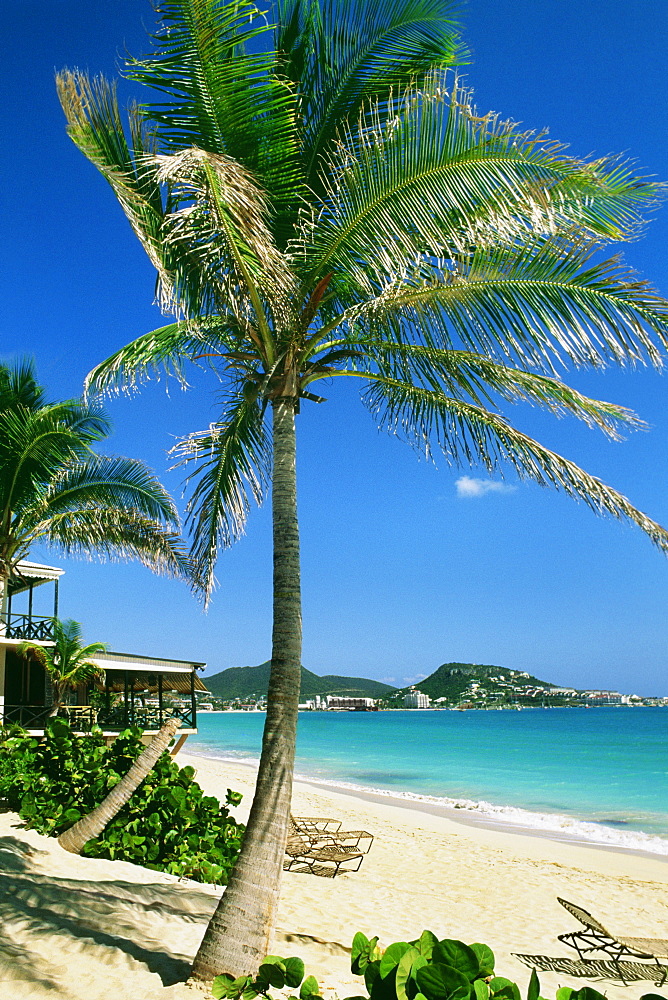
x=425 y=969
x=169 y=824
x=55 y=489
x=275 y=972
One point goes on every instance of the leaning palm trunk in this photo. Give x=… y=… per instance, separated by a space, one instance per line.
x=94 y=823
x=237 y=938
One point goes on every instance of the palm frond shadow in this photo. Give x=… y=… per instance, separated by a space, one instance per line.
x=106 y=914
x=593 y=969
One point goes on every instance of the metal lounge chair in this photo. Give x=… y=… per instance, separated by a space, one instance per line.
x=319 y=859
x=596 y=938
x=326 y=832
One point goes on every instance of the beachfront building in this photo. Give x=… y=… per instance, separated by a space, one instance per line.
x=341 y=704
x=416 y=699
x=135 y=690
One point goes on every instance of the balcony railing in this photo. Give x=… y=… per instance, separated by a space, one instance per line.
x=82 y=717
x=122 y=716
x=29 y=627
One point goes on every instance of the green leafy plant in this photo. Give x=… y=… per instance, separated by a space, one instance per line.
x=424 y=969
x=429 y=969
x=274 y=972
x=169 y=824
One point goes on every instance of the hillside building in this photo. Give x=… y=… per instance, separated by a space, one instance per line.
x=415 y=699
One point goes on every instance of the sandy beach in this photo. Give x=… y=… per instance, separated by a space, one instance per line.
x=76 y=928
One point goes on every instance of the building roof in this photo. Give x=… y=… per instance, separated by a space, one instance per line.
x=30 y=573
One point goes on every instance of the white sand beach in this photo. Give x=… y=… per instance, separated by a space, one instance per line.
x=76 y=928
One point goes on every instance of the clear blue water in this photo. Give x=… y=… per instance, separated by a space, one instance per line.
x=600 y=774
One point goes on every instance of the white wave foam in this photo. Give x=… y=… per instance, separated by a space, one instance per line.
x=565 y=827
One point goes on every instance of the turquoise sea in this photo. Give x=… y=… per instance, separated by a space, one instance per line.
x=599 y=774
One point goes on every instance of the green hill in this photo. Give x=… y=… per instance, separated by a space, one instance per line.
x=451 y=680
x=244 y=682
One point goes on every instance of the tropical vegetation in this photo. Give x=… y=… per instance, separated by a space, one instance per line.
x=424 y=969
x=169 y=824
x=67 y=662
x=55 y=490
x=321 y=200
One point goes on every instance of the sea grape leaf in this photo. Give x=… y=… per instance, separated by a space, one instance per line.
x=480 y=990
x=294 y=972
x=309 y=988
x=502 y=987
x=457 y=955
x=409 y=963
x=221 y=986
x=533 y=992
x=485 y=957
x=425 y=943
x=442 y=982
x=359 y=953
x=392 y=956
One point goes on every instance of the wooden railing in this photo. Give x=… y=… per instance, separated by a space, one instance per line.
x=29 y=627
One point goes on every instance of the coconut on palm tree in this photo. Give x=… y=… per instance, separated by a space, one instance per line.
x=55 y=490
x=321 y=201
x=68 y=663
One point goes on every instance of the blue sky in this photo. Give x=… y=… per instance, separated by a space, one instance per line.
x=403 y=568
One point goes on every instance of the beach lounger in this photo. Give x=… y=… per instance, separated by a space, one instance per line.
x=319 y=859
x=326 y=832
x=597 y=938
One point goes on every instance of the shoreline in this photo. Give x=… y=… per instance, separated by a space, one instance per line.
x=77 y=927
x=553 y=827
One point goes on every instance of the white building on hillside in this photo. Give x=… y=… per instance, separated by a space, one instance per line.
x=415 y=699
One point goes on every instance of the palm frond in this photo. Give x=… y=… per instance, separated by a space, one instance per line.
x=231 y=466
x=164 y=349
x=223 y=229
x=435 y=180
x=222 y=95
x=94 y=124
x=537 y=304
x=35 y=444
x=470 y=434
x=118 y=536
x=19 y=386
x=482 y=381
x=340 y=54
x=115 y=483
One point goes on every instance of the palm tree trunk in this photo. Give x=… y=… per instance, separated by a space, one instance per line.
x=237 y=938
x=95 y=822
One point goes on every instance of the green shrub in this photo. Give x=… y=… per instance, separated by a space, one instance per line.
x=274 y=971
x=425 y=969
x=168 y=824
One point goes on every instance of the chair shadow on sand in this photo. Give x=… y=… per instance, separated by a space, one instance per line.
x=593 y=969
x=103 y=914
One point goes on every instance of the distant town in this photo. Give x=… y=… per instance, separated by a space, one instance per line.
x=453 y=686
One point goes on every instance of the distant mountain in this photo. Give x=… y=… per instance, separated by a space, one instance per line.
x=244 y=682
x=450 y=680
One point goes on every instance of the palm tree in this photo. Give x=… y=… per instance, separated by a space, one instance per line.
x=67 y=663
x=56 y=490
x=331 y=206
x=92 y=825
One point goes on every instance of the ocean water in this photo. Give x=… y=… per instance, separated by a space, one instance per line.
x=599 y=775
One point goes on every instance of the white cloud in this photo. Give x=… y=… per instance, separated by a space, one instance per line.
x=388 y=680
x=468 y=487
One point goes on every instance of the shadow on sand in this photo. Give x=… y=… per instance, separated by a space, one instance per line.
x=619 y=972
x=107 y=917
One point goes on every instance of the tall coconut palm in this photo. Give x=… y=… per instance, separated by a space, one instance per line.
x=321 y=201
x=68 y=662
x=55 y=489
